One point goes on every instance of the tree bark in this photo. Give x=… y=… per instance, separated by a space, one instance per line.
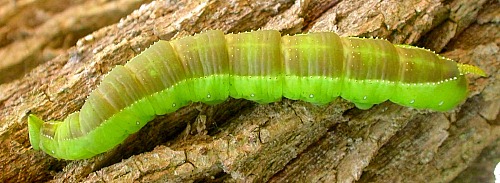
x=240 y=140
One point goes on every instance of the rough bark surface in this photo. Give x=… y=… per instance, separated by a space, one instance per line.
x=35 y=31
x=240 y=141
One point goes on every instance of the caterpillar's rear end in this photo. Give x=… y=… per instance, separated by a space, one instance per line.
x=428 y=81
x=317 y=67
x=377 y=70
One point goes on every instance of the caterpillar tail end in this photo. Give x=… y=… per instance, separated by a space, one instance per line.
x=34 y=126
x=470 y=69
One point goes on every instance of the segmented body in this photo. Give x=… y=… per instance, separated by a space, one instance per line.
x=260 y=66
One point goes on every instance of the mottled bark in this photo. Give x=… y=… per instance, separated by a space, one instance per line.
x=35 y=31
x=240 y=140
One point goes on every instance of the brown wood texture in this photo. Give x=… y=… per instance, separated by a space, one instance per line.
x=64 y=57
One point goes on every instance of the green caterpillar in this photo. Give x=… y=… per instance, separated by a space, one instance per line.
x=260 y=66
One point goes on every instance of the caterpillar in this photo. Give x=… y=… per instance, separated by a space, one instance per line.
x=261 y=66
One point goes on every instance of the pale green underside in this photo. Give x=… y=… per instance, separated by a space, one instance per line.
x=215 y=89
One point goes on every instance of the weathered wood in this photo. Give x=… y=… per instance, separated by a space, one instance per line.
x=285 y=141
x=32 y=32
